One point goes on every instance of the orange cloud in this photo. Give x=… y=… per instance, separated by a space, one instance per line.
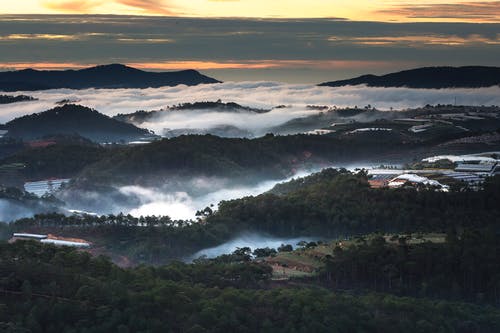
x=483 y=11
x=156 y=7
x=418 y=41
x=149 y=6
x=258 y=64
x=13 y=37
x=81 y=6
x=42 y=65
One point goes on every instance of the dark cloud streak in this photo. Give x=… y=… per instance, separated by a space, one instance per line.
x=473 y=11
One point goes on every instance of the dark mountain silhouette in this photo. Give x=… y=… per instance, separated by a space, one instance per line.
x=429 y=77
x=8 y=99
x=105 y=76
x=73 y=119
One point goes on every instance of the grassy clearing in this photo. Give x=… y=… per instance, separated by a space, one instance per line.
x=305 y=262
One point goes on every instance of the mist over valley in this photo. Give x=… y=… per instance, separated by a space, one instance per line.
x=249 y=166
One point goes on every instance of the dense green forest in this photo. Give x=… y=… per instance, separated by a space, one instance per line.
x=465 y=266
x=337 y=202
x=48 y=289
x=269 y=156
x=245 y=159
x=56 y=161
x=238 y=159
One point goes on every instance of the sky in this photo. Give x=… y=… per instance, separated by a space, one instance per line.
x=297 y=41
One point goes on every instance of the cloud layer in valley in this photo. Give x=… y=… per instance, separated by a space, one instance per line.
x=264 y=95
x=253 y=241
x=183 y=206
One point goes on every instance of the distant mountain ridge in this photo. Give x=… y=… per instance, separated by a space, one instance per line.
x=142 y=116
x=104 y=76
x=430 y=78
x=73 y=119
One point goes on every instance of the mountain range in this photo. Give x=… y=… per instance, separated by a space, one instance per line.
x=429 y=78
x=104 y=76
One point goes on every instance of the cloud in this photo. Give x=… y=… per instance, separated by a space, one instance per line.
x=10 y=211
x=149 y=6
x=80 y=6
x=483 y=11
x=199 y=193
x=14 y=37
x=155 y=7
x=251 y=240
x=210 y=65
x=264 y=95
x=305 y=50
x=419 y=40
x=261 y=64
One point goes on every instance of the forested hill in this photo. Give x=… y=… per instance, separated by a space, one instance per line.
x=8 y=99
x=340 y=203
x=105 y=76
x=141 y=116
x=273 y=157
x=73 y=119
x=429 y=77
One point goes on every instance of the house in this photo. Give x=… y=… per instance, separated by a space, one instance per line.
x=380 y=180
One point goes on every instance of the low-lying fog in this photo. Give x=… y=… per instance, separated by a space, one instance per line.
x=251 y=240
x=264 y=95
x=10 y=211
x=181 y=204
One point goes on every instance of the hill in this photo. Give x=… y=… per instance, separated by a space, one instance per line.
x=430 y=78
x=105 y=76
x=8 y=99
x=142 y=116
x=334 y=203
x=73 y=119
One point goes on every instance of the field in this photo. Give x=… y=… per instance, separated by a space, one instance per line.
x=306 y=261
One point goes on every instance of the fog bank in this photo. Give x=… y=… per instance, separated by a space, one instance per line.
x=265 y=95
x=251 y=240
x=182 y=205
x=10 y=211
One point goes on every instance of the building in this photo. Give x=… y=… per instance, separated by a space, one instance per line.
x=50 y=239
x=380 y=180
x=65 y=243
x=43 y=187
x=484 y=167
x=416 y=180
